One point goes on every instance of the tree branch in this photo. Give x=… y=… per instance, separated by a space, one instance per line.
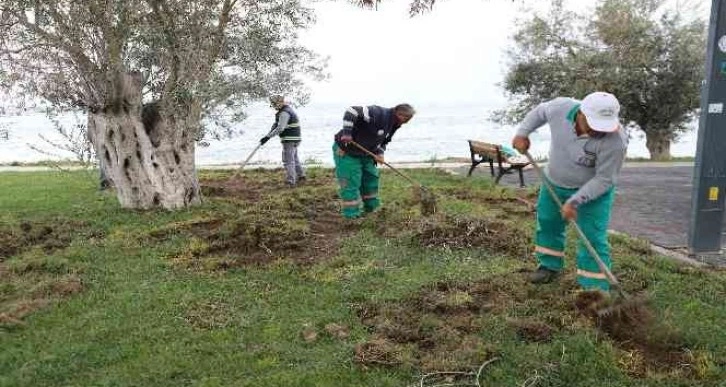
x=162 y=13
x=79 y=58
x=223 y=21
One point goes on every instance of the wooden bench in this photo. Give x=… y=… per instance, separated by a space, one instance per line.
x=482 y=152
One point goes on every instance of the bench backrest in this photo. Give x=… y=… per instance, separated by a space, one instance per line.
x=486 y=149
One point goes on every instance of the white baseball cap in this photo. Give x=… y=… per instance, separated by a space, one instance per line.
x=601 y=111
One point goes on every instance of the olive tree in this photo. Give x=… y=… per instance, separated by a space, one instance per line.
x=154 y=76
x=650 y=57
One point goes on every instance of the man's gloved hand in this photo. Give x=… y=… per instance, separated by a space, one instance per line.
x=379 y=159
x=345 y=138
x=520 y=143
x=263 y=140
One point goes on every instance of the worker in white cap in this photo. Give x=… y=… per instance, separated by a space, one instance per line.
x=587 y=150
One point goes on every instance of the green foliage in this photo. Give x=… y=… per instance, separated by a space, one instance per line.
x=214 y=54
x=650 y=57
x=416 y=6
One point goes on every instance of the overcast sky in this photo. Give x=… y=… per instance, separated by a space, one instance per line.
x=452 y=55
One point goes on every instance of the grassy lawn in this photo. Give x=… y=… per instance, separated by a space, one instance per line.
x=266 y=286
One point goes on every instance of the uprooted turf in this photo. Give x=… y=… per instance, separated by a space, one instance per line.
x=264 y=285
x=36 y=281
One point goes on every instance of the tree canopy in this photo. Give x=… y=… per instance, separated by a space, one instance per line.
x=222 y=53
x=650 y=57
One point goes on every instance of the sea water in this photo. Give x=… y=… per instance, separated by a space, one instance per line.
x=438 y=131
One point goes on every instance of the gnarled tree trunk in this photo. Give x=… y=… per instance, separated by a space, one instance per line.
x=659 y=146
x=147 y=152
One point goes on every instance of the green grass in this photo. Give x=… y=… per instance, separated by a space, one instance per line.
x=46 y=163
x=137 y=317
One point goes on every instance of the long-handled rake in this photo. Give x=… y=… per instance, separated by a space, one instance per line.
x=239 y=170
x=624 y=305
x=428 y=200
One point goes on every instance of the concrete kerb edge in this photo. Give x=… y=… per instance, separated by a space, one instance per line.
x=674 y=255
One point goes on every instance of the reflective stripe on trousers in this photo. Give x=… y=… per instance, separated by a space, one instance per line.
x=592 y=217
x=358 y=180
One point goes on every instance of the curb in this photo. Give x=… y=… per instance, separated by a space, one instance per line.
x=682 y=258
x=671 y=254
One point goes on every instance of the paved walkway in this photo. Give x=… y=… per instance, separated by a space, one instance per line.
x=655 y=203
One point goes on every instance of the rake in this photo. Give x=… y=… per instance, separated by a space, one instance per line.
x=428 y=200
x=624 y=306
x=239 y=170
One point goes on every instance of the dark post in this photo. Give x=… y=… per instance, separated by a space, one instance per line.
x=709 y=175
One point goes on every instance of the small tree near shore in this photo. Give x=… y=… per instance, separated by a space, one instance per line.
x=651 y=58
x=154 y=76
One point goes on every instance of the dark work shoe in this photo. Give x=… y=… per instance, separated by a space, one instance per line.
x=543 y=275
x=301 y=179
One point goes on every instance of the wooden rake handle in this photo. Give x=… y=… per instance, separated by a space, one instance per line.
x=604 y=269
x=412 y=181
x=239 y=170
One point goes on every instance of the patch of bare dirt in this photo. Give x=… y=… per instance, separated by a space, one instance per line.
x=34 y=277
x=338 y=331
x=309 y=334
x=439 y=328
x=32 y=292
x=260 y=241
x=239 y=188
x=649 y=347
x=60 y=287
x=253 y=185
x=377 y=352
x=50 y=236
x=532 y=331
x=496 y=235
x=273 y=222
x=519 y=204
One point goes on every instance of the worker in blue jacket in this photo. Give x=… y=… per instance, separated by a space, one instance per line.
x=372 y=127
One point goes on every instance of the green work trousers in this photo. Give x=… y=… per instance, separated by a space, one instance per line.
x=358 y=180
x=592 y=217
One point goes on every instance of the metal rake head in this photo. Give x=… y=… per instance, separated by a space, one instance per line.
x=630 y=309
